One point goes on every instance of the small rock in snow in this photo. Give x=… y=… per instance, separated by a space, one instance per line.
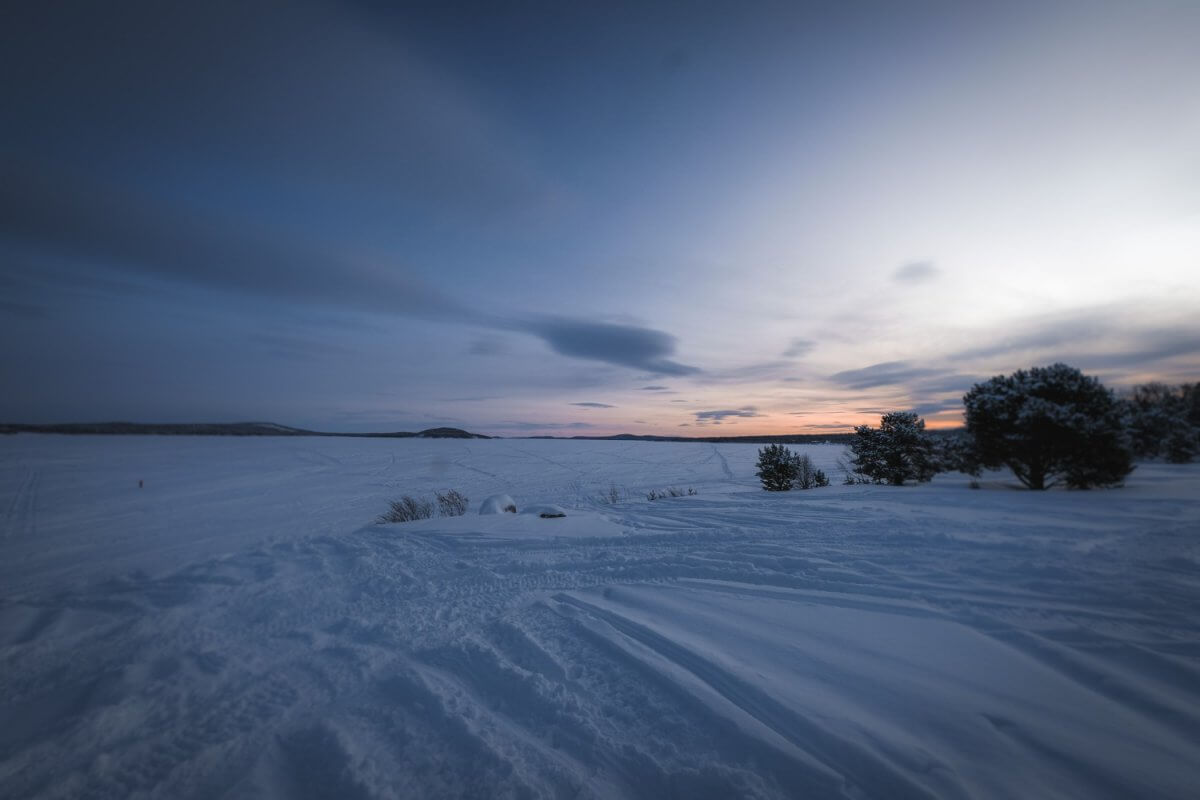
x=546 y=512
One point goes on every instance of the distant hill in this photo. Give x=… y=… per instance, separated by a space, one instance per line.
x=449 y=433
x=218 y=429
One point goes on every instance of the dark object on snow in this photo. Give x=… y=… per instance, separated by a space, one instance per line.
x=1164 y=421
x=407 y=509
x=1050 y=425
x=777 y=468
x=451 y=504
x=898 y=450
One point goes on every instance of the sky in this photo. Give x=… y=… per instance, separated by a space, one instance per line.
x=685 y=218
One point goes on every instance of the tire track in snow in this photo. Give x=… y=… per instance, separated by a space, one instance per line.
x=20 y=519
x=724 y=463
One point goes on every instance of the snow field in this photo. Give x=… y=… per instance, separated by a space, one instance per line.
x=239 y=629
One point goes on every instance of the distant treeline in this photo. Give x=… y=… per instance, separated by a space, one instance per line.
x=220 y=429
x=790 y=438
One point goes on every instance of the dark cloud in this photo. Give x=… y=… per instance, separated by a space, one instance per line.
x=799 y=348
x=593 y=405
x=655 y=388
x=27 y=310
x=916 y=272
x=934 y=408
x=1042 y=334
x=622 y=345
x=889 y=373
x=115 y=226
x=720 y=414
x=953 y=382
x=295 y=348
x=1100 y=339
x=489 y=346
x=135 y=232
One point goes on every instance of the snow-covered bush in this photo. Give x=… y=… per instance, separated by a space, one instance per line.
x=898 y=450
x=407 y=509
x=498 y=504
x=777 y=468
x=452 y=503
x=1050 y=425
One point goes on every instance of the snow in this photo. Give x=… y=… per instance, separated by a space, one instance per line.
x=498 y=504
x=240 y=627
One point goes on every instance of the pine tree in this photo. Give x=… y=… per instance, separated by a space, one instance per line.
x=1049 y=425
x=898 y=450
x=777 y=468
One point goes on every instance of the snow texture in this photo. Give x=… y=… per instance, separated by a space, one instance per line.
x=240 y=628
x=498 y=504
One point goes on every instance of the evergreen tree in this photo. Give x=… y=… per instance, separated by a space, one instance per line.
x=777 y=468
x=898 y=450
x=1164 y=421
x=1049 y=425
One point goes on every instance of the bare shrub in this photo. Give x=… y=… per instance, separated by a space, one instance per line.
x=407 y=509
x=670 y=491
x=610 y=497
x=806 y=473
x=452 y=504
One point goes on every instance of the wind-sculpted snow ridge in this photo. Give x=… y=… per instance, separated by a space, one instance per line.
x=848 y=642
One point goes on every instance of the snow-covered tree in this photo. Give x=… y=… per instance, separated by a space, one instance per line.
x=898 y=450
x=777 y=468
x=1164 y=421
x=1050 y=425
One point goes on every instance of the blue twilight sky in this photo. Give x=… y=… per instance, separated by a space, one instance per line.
x=589 y=217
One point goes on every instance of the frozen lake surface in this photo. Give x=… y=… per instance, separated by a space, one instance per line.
x=239 y=627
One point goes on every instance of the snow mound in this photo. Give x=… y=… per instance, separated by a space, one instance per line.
x=498 y=504
x=546 y=511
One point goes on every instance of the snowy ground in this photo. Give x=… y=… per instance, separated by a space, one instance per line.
x=238 y=628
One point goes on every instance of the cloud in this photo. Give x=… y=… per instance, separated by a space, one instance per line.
x=621 y=345
x=655 y=388
x=888 y=373
x=932 y=409
x=1104 y=337
x=799 y=348
x=717 y=415
x=916 y=272
x=138 y=233
x=27 y=310
x=540 y=426
x=593 y=405
x=489 y=346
